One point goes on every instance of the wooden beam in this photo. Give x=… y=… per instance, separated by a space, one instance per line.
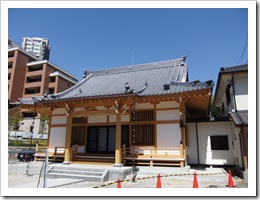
x=98 y=112
x=92 y=112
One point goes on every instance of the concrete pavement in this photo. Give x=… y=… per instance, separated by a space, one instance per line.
x=171 y=178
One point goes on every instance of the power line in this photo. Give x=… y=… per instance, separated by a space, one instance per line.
x=243 y=52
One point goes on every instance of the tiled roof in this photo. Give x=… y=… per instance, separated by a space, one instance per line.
x=166 y=77
x=234 y=68
x=152 y=79
x=240 y=118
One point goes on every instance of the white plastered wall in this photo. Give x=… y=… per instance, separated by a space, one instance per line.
x=164 y=115
x=124 y=118
x=58 y=119
x=57 y=136
x=59 y=111
x=97 y=119
x=206 y=155
x=241 y=91
x=168 y=135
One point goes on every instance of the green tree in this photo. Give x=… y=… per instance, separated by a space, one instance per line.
x=44 y=121
x=14 y=119
x=215 y=111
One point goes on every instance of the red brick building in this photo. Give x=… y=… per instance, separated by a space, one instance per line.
x=28 y=76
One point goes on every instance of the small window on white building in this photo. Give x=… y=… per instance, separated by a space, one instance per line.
x=219 y=142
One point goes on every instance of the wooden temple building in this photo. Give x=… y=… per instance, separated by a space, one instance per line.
x=127 y=115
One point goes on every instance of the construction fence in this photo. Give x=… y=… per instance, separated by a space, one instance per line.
x=24 y=172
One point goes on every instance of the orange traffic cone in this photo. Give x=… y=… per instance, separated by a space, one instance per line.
x=118 y=183
x=230 y=180
x=195 y=181
x=159 y=185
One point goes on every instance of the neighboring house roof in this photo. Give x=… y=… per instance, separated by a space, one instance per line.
x=240 y=118
x=224 y=77
x=233 y=69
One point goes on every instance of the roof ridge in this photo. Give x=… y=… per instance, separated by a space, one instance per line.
x=127 y=71
x=137 y=67
x=223 y=69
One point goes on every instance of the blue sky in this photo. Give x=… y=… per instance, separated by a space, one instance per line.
x=93 y=39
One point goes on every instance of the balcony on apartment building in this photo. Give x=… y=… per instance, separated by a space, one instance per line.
x=11 y=56
x=33 y=70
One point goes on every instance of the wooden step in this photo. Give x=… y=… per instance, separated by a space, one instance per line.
x=107 y=159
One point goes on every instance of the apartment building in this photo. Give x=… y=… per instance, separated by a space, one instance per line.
x=38 y=46
x=29 y=76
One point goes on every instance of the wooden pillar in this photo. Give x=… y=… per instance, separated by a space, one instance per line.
x=183 y=119
x=67 y=155
x=182 y=126
x=118 y=141
x=245 y=147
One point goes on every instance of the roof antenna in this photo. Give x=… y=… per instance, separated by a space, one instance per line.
x=133 y=57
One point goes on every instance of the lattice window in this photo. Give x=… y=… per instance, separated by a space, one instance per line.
x=92 y=139
x=78 y=135
x=79 y=120
x=143 y=134
x=112 y=139
x=102 y=139
x=146 y=115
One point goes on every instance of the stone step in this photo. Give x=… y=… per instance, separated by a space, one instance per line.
x=76 y=176
x=87 y=174
x=83 y=169
x=79 y=172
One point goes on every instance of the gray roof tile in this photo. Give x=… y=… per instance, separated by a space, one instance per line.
x=234 y=68
x=145 y=80
x=240 y=118
x=152 y=79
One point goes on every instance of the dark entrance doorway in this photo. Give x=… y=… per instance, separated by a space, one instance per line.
x=102 y=139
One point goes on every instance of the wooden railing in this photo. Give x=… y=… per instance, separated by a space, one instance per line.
x=54 y=153
x=152 y=154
